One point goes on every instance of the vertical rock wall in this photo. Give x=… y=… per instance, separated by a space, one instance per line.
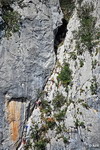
x=67 y=117
x=26 y=60
x=74 y=122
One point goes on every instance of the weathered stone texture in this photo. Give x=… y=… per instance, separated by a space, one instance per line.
x=26 y=60
x=87 y=135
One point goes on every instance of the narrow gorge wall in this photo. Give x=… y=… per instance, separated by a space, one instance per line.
x=66 y=116
x=54 y=62
x=26 y=60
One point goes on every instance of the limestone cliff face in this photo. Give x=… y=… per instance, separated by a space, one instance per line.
x=67 y=113
x=26 y=60
x=68 y=116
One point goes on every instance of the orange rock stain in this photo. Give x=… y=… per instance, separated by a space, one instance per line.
x=13 y=116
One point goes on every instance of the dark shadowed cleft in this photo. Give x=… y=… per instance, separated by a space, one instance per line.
x=60 y=34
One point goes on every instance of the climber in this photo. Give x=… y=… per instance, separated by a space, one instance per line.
x=23 y=141
x=38 y=103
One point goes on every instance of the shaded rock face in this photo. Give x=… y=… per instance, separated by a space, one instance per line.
x=26 y=60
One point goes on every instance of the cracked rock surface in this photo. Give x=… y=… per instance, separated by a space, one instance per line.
x=26 y=60
x=79 y=127
x=38 y=110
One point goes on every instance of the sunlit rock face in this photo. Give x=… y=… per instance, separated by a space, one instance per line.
x=29 y=64
x=79 y=127
x=26 y=60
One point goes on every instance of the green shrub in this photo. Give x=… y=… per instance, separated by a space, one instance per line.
x=5 y=2
x=45 y=107
x=28 y=145
x=35 y=132
x=9 y=2
x=98 y=35
x=79 y=48
x=38 y=136
x=44 y=104
x=59 y=129
x=50 y=122
x=60 y=116
x=81 y=90
x=65 y=140
x=65 y=76
x=58 y=101
x=94 y=86
x=67 y=7
x=82 y=124
x=87 y=27
x=81 y=63
x=80 y=100
x=40 y=145
x=11 y=19
x=73 y=55
x=79 y=124
x=94 y=63
x=85 y=105
x=79 y=2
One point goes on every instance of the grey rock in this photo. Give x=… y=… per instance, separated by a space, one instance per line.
x=26 y=61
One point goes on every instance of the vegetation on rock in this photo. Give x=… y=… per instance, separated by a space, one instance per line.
x=67 y=8
x=37 y=136
x=5 y=2
x=65 y=76
x=73 y=55
x=9 y=2
x=81 y=63
x=94 y=86
x=79 y=123
x=85 y=105
x=50 y=122
x=60 y=116
x=87 y=33
x=45 y=107
x=11 y=19
x=87 y=27
x=40 y=145
x=65 y=140
x=94 y=63
x=58 y=101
